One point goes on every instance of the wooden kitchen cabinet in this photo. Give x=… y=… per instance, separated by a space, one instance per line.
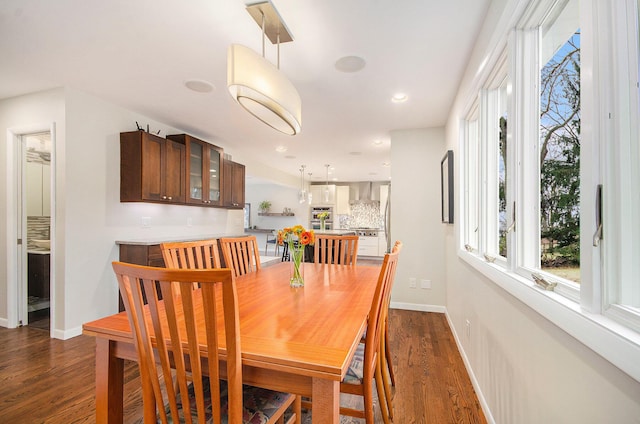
x=234 y=185
x=39 y=266
x=204 y=173
x=140 y=254
x=152 y=169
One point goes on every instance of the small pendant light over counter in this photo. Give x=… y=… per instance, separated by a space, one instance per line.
x=302 y=195
x=326 y=188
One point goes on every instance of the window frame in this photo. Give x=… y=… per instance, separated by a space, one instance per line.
x=588 y=313
x=621 y=214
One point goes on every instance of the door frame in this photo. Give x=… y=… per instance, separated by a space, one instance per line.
x=16 y=272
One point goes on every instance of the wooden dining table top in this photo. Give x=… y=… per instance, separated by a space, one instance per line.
x=312 y=330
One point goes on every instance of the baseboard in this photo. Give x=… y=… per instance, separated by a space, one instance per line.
x=418 y=307
x=474 y=380
x=67 y=334
x=4 y=322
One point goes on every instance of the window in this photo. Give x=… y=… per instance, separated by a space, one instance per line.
x=501 y=151
x=560 y=151
x=551 y=149
x=492 y=164
x=621 y=179
x=472 y=179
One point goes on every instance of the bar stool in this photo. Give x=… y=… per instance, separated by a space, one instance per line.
x=272 y=239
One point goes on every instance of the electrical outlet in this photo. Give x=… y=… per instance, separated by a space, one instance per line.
x=425 y=284
x=412 y=283
x=468 y=328
x=145 y=221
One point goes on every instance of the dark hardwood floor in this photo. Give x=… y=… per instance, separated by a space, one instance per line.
x=45 y=380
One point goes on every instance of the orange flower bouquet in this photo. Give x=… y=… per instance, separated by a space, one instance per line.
x=296 y=237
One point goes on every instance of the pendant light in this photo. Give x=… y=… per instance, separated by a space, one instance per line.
x=309 y=195
x=302 y=195
x=259 y=86
x=326 y=188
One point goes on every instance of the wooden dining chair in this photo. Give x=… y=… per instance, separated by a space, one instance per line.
x=241 y=254
x=340 y=250
x=174 y=332
x=385 y=357
x=366 y=365
x=202 y=254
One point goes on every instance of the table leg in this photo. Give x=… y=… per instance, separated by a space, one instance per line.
x=109 y=383
x=326 y=401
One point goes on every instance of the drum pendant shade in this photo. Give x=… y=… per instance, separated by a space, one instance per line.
x=263 y=90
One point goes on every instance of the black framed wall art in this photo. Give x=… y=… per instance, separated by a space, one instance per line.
x=446 y=187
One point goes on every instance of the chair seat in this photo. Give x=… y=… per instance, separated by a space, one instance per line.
x=355 y=373
x=259 y=405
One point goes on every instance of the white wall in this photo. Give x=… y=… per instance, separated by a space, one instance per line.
x=527 y=369
x=416 y=217
x=280 y=196
x=21 y=114
x=90 y=217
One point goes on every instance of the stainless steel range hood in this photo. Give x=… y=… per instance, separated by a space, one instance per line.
x=364 y=192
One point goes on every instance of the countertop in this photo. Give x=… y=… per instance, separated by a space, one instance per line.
x=37 y=251
x=157 y=240
x=340 y=232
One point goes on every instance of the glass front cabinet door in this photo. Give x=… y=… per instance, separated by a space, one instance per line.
x=203 y=170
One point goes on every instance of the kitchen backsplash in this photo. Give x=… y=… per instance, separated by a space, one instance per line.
x=38 y=228
x=363 y=215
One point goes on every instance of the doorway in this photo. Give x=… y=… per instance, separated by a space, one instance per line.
x=36 y=192
x=30 y=299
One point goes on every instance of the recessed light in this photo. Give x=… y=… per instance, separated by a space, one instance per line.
x=289 y=157
x=281 y=149
x=377 y=142
x=200 y=86
x=386 y=164
x=399 y=98
x=350 y=64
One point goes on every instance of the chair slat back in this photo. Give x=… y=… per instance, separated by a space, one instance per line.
x=380 y=307
x=241 y=254
x=202 y=254
x=177 y=327
x=340 y=250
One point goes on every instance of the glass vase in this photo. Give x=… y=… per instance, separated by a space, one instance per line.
x=322 y=225
x=297 y=269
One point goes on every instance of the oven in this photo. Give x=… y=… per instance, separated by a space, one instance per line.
x=315 y=225
x=314 y=217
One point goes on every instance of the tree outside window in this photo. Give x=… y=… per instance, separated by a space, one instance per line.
x=560 y=162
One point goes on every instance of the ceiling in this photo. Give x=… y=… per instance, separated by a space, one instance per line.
x=139 y=53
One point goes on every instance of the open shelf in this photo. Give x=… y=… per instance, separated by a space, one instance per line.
x=275 y=214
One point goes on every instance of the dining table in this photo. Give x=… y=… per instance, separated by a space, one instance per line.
x=296 y=340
